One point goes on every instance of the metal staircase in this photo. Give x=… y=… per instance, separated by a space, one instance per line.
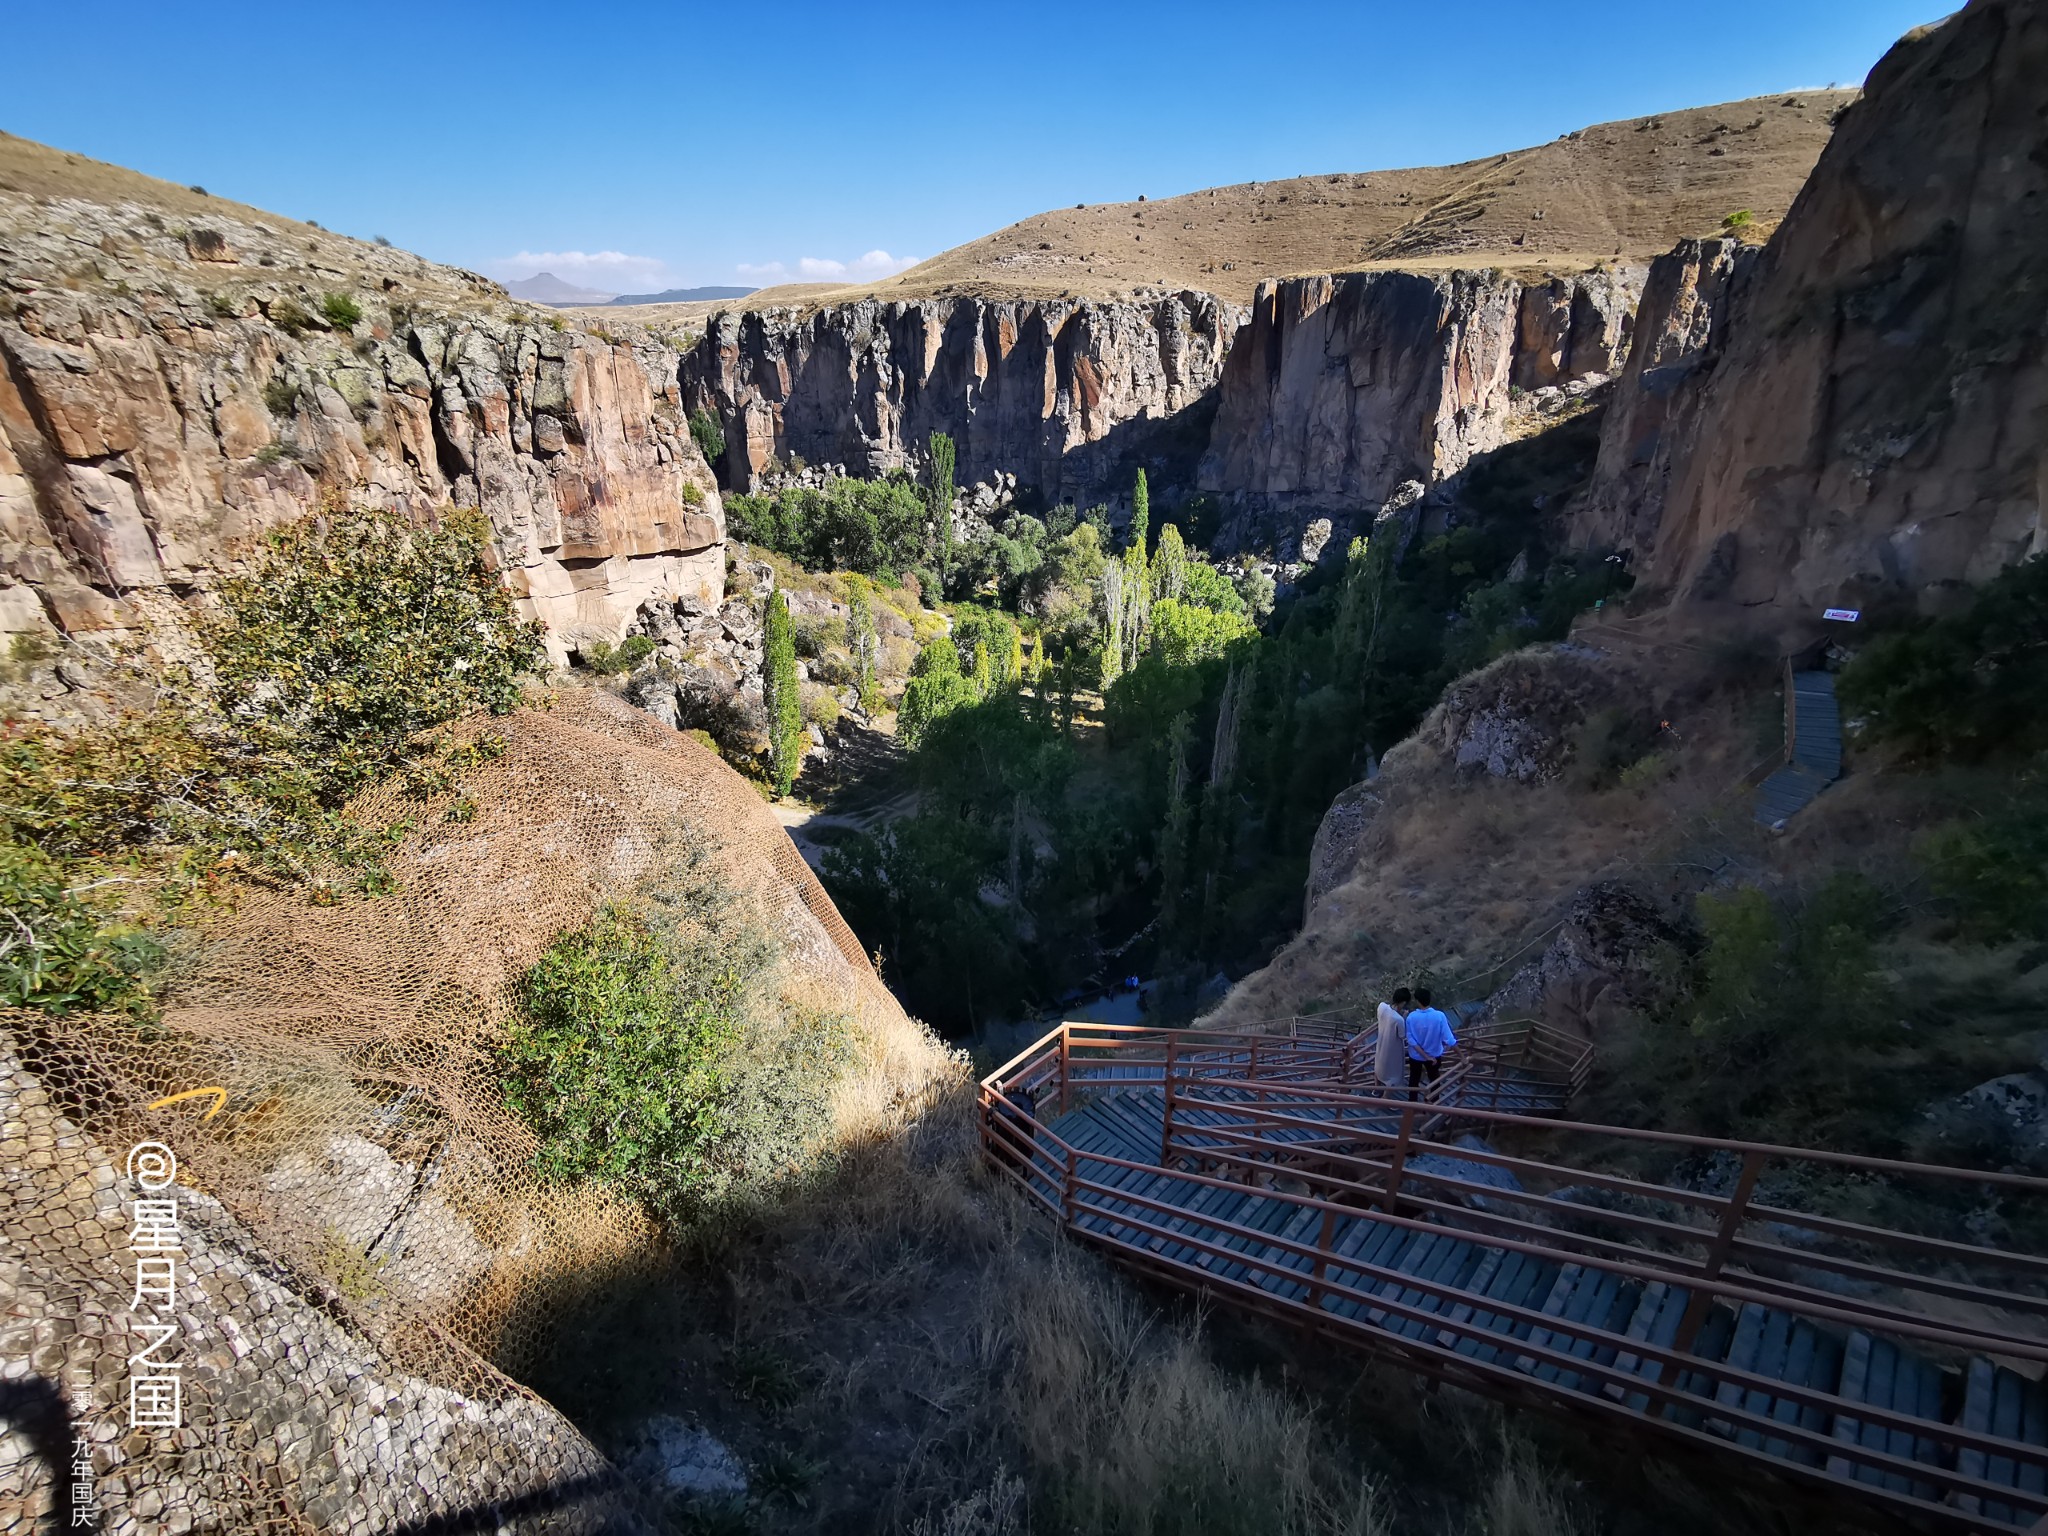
x=1897 y=1365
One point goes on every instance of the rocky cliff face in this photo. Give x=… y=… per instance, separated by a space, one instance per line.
x=1871 y=413
x=1063 y=394
x=159 y=413
x=1652 y=415
x=1343 y=389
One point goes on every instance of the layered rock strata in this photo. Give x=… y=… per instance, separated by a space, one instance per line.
x=1064 y=394
x=1343 y=388
x=153 y=427
x=1870 y=426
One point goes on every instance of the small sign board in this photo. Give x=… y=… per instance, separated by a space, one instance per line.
x=1843 y=615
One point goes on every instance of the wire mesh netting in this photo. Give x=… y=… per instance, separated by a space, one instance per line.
x=362 y=1255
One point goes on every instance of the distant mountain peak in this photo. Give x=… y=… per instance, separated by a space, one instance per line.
x=546 y=288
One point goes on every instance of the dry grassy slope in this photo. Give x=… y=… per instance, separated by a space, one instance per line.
x=47 y=192
x=1630 y=189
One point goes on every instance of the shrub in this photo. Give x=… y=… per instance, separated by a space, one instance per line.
x=813 y=633
x=346 y=643
x=225 y=305
x=1994 y=872
x=655 y=1056
x=341 y=311
x=821 y=708
x=1741 y=218
x=281 y=396
x=356 y=632
x=288 y=317
x=1966 y=686
x=57 y=952
x=692 y=494
x=708 y=435
x=1609 y=744
x=602 y=657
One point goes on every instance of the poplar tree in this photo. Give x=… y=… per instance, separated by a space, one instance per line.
x=943 y=462
x=780 y=693
x=1169 y=566
x=1176 y=837
x=1141 y=515
x=862 y=644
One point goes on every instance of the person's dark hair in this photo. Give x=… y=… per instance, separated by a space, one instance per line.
x=1422 y=996
x=1400 y=994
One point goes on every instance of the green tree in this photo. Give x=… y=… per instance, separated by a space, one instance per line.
x=1182 y=635
x=1170 y=565
x=708 y=435
x=780 y=693
x=978 y=629
x=936 y=689
x=1176 y=838
x=862 y=644
x=1141 y=515
x=943 y=463
x=356 y=631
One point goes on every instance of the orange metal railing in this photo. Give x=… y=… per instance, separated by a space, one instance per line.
x=1281 y=1114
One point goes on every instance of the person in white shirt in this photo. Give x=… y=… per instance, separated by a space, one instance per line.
x=1429 y=1036
x=1387 y=1064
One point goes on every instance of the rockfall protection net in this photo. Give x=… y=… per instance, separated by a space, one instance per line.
x=358 y=1245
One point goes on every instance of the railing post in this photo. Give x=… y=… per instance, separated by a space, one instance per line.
x=1067 y=1189
x=1065 y=1052
x=1702 y=1298
x=1400 y=1158
x=1324 y=1238
x=1166 y=1112
x=1252 y=1072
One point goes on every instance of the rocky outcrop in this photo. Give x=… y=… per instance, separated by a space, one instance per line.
x=1514 y=719
x=1608 y=945
x=1652 y=413
x=1341 y=389
x=287 y=1406
x=152 y=429
x=1871 y=433
x=1066 y=395
x=1340 y=836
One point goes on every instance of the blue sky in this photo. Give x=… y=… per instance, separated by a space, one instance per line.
x=632 y=146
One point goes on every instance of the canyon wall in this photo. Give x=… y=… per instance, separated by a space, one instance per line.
x=1864 y=426
x=154 y=426
x=1069 y=396
x=1342 y=389
x=1653 y=413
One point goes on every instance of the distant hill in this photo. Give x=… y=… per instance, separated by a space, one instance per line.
x=546 y=288
x=673 y=296
x=1628 y=190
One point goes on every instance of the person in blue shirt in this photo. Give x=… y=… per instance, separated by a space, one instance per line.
x=1429 y=1036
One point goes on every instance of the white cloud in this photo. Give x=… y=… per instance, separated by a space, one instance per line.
x=821 y=269
x=591 y=269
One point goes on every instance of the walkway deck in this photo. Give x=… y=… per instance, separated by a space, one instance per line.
x=1792 y=1340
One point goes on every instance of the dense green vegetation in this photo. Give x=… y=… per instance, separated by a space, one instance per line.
x=1967 y=686
x=1047 y=854
x=330 y=666
x=654 y=1054
x=876 y=527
